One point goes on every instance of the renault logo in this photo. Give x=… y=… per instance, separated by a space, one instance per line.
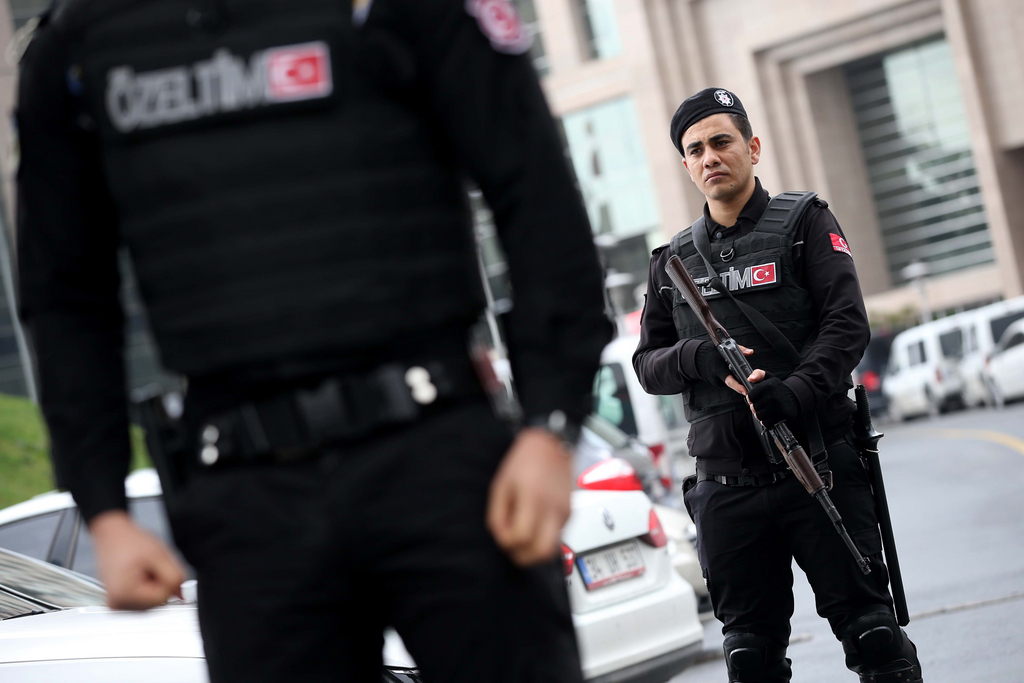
x=609 y=521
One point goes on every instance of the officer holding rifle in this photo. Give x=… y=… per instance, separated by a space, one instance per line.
x=779 y=277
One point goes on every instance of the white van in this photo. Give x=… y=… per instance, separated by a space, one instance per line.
x=657 y=421
x=982 y=329
x=923 y=376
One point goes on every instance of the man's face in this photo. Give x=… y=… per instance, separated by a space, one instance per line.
x=719 y=160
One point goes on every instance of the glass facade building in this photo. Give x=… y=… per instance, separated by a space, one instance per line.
x=914 y=135
x=599 y=33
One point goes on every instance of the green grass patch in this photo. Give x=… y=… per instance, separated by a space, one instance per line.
x=25 y=468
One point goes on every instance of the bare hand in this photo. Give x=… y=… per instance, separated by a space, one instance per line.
x=530 y=497
x=755 y=377
x=138 y=570
x=734 y=383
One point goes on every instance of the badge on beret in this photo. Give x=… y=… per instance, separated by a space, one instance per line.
x=724 y=98
x=500 y=22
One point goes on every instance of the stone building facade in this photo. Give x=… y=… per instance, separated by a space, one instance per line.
x=904 y=114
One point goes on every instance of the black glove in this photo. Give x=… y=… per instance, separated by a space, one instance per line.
x=773 y=401
x=711 y=367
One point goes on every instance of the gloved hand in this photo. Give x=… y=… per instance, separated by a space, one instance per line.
x=710 y=365
x=773 y=401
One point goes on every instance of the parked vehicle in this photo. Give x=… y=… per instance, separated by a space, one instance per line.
x=657 y=421
x=922 y=377
x=635 y=617
x=983 y=328
x=615 y=552
x=601 y=441
x=54 y=627
x=871 y=370
x=1004 y=371
x=608 y=460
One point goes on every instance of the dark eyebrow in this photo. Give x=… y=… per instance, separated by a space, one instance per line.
x=714 y=138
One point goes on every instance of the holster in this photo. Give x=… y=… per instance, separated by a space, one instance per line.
x=159 y=416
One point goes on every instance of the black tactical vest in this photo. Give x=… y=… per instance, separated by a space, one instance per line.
x=276 y=200
x=759 y=271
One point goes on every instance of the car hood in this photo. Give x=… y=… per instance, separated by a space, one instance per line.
x=171 y=631
x=101 y=633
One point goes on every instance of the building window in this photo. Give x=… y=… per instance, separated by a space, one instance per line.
x=528 y=15
x=23 y=10
x=610 y=164
x=914 y=134
x=599 y=33
x=608 y=157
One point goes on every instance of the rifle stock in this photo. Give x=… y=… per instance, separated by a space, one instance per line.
x=793 y=453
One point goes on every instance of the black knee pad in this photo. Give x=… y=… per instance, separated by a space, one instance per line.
x=751 y=658
x=878 y=649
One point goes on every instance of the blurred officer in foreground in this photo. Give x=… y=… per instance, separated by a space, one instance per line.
x=787 y=259
x=287 y=179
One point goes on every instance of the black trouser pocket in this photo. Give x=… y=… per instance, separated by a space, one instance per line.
x=688 y=484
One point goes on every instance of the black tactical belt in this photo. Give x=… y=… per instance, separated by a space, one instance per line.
x=764 y=479
x=756 y=480
x=295 y=425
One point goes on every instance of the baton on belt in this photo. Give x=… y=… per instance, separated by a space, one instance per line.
x=794 y=454
x=867 y=439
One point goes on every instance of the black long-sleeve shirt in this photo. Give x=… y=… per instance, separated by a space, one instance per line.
x=494 y=118
x=665 y=364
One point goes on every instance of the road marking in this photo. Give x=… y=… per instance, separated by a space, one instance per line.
x=1002 y=438
x=967 y=606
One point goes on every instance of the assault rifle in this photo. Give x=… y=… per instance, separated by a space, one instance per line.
x=794 y=454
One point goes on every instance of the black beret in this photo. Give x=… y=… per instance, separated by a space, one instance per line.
x=700 y=106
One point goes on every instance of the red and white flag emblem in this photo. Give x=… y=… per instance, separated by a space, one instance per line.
x=762 y=275
x=299 y=72
x=839 y=244
x=500 y=22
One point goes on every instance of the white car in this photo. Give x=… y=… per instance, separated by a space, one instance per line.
x=639 y=624
x=635 y=617
x=607 y=459
x=1005 y=368
x=657 y=421
x=983 y=328
x=54 y=627
x=923 y=377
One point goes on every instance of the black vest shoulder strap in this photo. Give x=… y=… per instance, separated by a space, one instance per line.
x=782 y=214
x=684 y=239
x=784 y=211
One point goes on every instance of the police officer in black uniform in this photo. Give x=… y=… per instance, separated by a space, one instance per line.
x=753 y=517
x=287 y=178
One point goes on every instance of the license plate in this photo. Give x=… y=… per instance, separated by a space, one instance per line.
x=611 y=565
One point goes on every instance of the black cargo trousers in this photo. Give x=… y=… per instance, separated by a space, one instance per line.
x=301 y=566
x=748 y=537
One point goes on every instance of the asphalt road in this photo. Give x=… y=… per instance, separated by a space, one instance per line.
x=956 y=492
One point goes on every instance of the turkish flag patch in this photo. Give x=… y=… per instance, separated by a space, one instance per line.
x=762 y=275
x=839 y=244
x=299 y=72
x=500 y=22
